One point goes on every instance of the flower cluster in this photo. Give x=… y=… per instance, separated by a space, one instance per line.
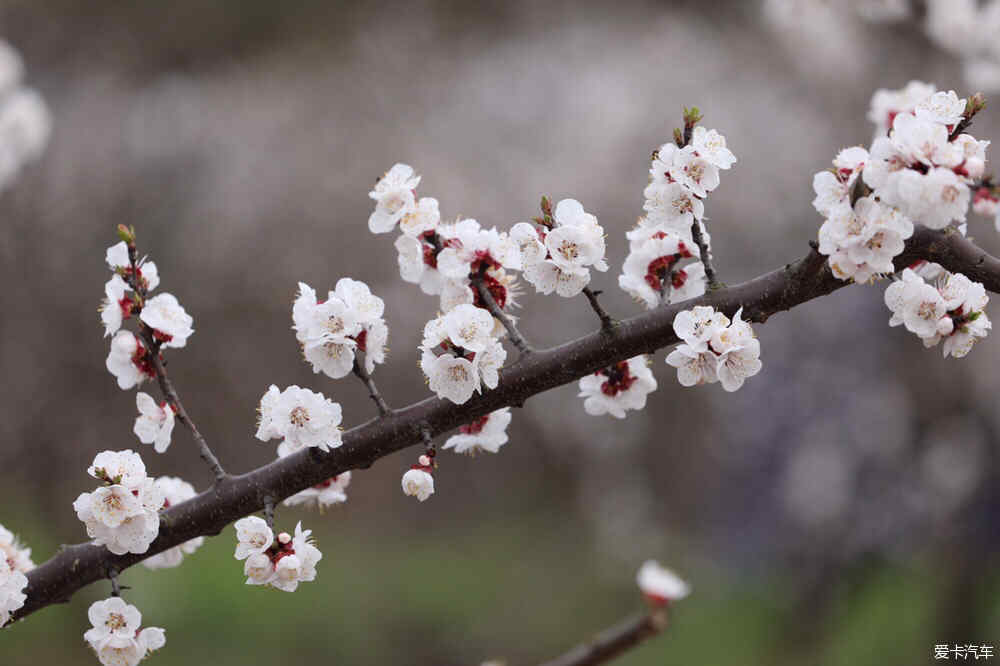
x=460 y=353
x=116 y=635
x=862 y=241
x=618 y=388
x=714 y=349
x=123 y=514
x=680 y=179
x=332 y=331
x=155 y=423
x=418 y=481
x=949 y=308
x=323 y=495
x=659 y=585
x=557 y=255
x=281 y=562
x=300 y=418
x=126 y=294
x=25 y=123
x=441 y=257
x=174 y=491
x=487 y=433
x=923 y=167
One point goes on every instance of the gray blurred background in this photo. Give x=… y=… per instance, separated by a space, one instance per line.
x=841 y=508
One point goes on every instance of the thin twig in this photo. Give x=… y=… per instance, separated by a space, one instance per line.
x=116 y=589
x=487 y=298
x=166 y=386
x=607 y=323
x=706 y=257
x=612 y=642
x=362 y=374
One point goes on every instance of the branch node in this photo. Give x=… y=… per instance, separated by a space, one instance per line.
x=607 y=323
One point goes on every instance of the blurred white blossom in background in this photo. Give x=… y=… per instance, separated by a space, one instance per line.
x=24 y=119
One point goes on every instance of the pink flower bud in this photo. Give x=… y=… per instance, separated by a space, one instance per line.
x=424 y=461
x=284 y=538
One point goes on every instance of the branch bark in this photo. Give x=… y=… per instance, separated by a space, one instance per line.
x=236 y=496
x=612 y=642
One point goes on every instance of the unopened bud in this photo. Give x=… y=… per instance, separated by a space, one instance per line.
x=546 y=206
x=975 y=104
x=284 y=538
x=424 y=461
x=127 y=234
x=692 y=116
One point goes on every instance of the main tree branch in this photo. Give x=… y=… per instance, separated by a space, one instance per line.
x=236 y=496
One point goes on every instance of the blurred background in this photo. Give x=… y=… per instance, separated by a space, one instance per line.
x=840 y=509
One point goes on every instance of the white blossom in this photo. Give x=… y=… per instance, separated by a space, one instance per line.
x=652 y=273
x=127 y=360
x=155 y=423
x=25 y=122
x=301 y=418
x=116 y=636
x=170 y=323
x=12 y=584
x=175 y=491
x=115 y=307
x=887 y=104
x=253 y=536
x=460 y=353
x=323 y=495
x=711 y=146
x=944 y=108
x=487 y=433
x=117 y=259
x=862 y=242
x=618 y=388
x=417 y=259
x=714 y=349
x=951 y=309
x=282 y=563
x=13 y=551
x=332 y=331
x=418 y=482
x=697 y=326
x=571 y=248
x=123 y=514
x=660 y=585
x=694 y=171
x=394 y=198
x=424 y=217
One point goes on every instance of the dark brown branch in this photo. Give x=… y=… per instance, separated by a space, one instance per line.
x=170 y=393
x=612 y=642
x=606 y=321
x=487 y=298
x=236 y=496
x=362 y=374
